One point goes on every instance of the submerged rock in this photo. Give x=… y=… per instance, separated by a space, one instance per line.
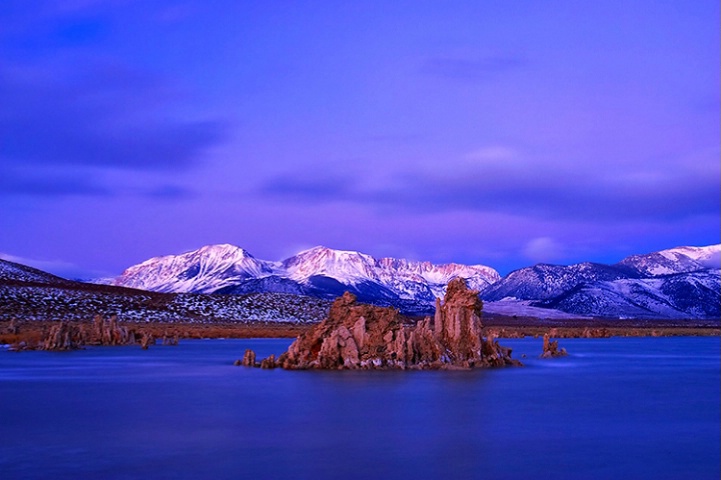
x=360 y=336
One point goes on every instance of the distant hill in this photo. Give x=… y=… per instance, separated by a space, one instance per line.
x=30 y=294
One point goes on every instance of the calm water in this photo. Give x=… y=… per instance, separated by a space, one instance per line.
x=615 y=408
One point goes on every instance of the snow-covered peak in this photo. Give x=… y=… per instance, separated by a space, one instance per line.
x=208 y=253
x=406 y=278
x=438 y=275
x=345 y=266
x=675 y=260
x=709 y=256
x=204 y=270
x=216 y=267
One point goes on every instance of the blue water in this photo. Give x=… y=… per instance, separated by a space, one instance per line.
x=615 y=408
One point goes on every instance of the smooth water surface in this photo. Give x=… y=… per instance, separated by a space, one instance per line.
x=615 y=408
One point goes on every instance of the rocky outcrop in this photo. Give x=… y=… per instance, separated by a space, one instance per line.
x=248 y=358
x=269 y=362
x=359 y=336
x=353 y=336
x=550 y=348
x=109 y=332
x=75 y=335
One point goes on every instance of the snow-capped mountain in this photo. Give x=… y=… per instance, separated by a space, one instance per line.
x=674 y=283
x=201 y=271
x=319 y=271
x=680 y=282
x=409 y=280
x=675 y=260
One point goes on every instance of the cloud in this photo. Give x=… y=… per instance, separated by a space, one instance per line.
x=497 y=180
x=471 y=69
x=102 y=115
x=19 y=183
x=492 y=153
x=543 y=250
x=305 y=187
x=51 y=186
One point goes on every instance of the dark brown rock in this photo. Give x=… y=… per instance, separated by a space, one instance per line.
x=248 y=358
x=146 y=340
x=359 y=336
x=352 y=336
x=63 y=336
x=268 y=363
x=550 y=348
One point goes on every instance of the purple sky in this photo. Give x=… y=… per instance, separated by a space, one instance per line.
x=498 y=132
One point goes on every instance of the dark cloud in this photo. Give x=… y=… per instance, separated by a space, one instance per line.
x=471 y=69
x=51 y=186
x=304 y=187
x=563 y=196
x=19 y=183
x=531 y=191
x=104 y=116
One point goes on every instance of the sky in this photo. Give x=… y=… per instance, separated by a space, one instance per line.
x=503 y=133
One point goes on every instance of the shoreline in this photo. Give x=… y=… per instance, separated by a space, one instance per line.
x=33 y=331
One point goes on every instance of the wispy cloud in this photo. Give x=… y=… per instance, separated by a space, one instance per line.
x=106 y=117
x=50 y=185
x=498 y=180
x=543 y=249
x=306 y=187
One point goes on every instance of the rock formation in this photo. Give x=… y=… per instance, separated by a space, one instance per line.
x=75 y=335
x=109 y=332
x=146 y=340
x=63 y=336
x=248 y=359
x=268 y=362
x=359 y=336
x=550 y=348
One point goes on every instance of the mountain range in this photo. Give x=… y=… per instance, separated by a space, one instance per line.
x=682 y=282
x=319 y=272
x=28 y=294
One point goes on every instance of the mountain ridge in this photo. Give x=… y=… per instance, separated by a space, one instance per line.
x=318 y=271
x=617 y=290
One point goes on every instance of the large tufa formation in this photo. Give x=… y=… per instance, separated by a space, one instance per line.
x=352 y=336
x=359 y=336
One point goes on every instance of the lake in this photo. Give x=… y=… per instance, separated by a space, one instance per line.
x=614 y=408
